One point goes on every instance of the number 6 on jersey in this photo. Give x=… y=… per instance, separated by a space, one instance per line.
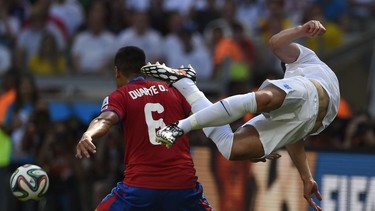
x=153 y=124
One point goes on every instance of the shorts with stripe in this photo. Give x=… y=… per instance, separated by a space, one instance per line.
x=127 y=198
x=294 y=120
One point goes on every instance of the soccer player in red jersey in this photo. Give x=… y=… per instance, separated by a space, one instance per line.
x=155 y=178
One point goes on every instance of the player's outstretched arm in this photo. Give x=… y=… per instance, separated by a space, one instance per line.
x=97 y=128
x=297 y=153
x=282 y=43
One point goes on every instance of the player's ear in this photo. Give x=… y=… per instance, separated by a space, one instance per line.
x=117 y=72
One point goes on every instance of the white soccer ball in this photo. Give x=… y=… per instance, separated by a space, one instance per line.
x=29 y=182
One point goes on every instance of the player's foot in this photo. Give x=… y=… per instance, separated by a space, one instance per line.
x=169 y=134
x=167 y=74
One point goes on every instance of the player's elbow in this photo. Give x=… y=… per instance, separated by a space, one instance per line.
x=274 y=43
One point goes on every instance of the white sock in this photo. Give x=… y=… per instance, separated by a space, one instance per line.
x=223 y=112
x=188 y=89
x=192 y=94
x=222 y=137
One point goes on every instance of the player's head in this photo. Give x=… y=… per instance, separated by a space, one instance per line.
x=128 y=62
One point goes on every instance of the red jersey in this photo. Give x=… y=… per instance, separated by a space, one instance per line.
x=144 y=107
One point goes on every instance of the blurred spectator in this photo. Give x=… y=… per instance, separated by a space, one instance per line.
x=224 y=47
x=225 y=22
x=249 y=12
x=159 y=17
x=188 y=49
x=140 y=34
x=118 y=17
x=56 y=142
x=16 y=124
x=334 y=10
x=9 y=25
x=206 y=14
x=360 y=133
x=49 y=60
x=85 y=6
x=20 y=9
x=9 y=28
x=138 y=5
x=229 y=60
x=245 y=43
x=275 y=21
x=345 y=110
x=294 y=10
x=241 y=72
x=5 y=58
x=174 y=23
x=17 y=119
x=93 y=48
x=8 y=93
x=361 y=14
x=70 y=12
x=182 y=6
x=5 y=172
x=331 y=40
x=29 y=39
x=7 y=97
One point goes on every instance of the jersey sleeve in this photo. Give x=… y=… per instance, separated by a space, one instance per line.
x=306 y=56
x=114 y=102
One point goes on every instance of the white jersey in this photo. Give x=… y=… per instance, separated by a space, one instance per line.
x=311 y=67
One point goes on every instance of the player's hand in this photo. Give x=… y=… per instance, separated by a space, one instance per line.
x=310 y=189
x=313 y=28
x=272 y=156
x=85 y=146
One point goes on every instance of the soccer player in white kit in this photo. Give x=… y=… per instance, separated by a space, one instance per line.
x=303 y=103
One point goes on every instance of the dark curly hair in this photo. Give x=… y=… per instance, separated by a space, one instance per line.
x=129 y=60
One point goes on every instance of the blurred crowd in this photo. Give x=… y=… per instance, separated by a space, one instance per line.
x=80 y=37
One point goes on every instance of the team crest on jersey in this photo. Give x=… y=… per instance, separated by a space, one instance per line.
x=105 y=103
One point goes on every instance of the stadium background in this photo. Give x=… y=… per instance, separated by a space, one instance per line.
x=71 y=88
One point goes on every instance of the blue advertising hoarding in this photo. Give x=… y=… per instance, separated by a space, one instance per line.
x=346 y=181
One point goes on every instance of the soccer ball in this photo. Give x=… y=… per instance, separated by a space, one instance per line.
x=29 y=182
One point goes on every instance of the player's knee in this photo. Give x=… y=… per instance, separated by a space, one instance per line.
x=268 y=100
x=264 y=100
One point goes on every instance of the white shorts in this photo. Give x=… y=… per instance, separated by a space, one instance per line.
x=294 y=120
